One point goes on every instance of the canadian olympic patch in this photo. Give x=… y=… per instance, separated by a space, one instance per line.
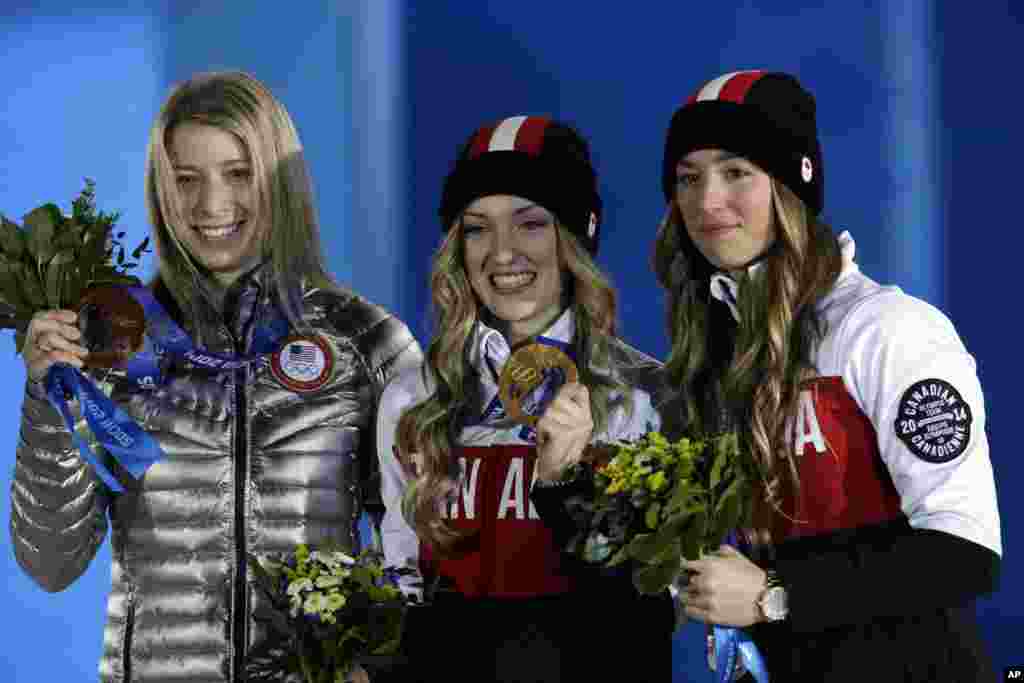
x=302 y=363
x=934 y=421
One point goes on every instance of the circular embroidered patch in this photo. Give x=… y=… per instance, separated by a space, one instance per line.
x=934 y=421
x=302 y=363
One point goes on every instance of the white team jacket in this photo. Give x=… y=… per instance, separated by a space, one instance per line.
x=894 y=380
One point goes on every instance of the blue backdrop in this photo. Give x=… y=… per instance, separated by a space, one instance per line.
x=916 y=110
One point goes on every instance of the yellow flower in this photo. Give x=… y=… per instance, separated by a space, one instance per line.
x=616 y=486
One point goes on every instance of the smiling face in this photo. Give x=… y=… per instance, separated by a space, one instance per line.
x=511 y=256
x=726 y=204
x=214 y=177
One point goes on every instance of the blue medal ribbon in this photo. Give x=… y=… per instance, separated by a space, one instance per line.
x=115 y=430
x=734 y=643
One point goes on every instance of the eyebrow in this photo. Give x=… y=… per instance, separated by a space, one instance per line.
x=517 y=212
x=717 y=159
x=223 y=164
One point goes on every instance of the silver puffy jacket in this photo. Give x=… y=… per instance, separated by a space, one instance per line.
x=250 y=466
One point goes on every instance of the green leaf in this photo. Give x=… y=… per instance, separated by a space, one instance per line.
x=10 y=275
x=654 y=579
x=618 y=558
x=643 y=547
x=651 y=516
x=681 y=496
x=73 y=285
x=94 y=248
x=388 y=647
x=68 y=239
x=55 y=277
x=141 y=249
x=692 y=538
x=39 y=228
x=721 y=456
x=12 y=240
x=32 y=288
x=727 y=516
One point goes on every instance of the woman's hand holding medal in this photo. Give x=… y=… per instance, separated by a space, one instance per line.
x=564 y=431
x=539 y=388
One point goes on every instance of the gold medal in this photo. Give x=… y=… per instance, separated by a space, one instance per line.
x=530 y=379
x=112 y=324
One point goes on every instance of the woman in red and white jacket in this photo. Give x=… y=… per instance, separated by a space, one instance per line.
x=876 y=525
x=483 y=496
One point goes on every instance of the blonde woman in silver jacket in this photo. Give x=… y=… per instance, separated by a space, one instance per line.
x=256 y=459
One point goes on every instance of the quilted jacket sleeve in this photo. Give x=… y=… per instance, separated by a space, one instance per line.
x=58 y=504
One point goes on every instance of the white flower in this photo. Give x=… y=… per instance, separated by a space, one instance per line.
x=299 y=585
x=332 y=561
x=315 y=603
x=344 y=559
x=328 y=581
x=335 y=601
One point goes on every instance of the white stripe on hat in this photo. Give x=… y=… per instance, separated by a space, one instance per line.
x=504 y=137
x=713 y=88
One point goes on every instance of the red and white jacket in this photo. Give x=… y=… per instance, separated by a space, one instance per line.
x=895 y=421
x=516 y=555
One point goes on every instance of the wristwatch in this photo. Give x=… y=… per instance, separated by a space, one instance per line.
x=773 y=602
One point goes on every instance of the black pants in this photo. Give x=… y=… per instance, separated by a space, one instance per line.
x=613 y=636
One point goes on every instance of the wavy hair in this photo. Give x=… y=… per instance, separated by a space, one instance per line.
x=750 y=374
x=428 y=431
x=239 y=104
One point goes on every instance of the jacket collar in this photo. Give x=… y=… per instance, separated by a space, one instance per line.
x=727 y=290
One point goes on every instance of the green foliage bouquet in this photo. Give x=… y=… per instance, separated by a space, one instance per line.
x=654 y=502
x=324 y=610
x=53 y=259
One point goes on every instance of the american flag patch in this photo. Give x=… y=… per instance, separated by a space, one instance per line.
x=303 y=363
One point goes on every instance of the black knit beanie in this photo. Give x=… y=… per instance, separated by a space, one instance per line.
x=765 y=117
x=533 y=157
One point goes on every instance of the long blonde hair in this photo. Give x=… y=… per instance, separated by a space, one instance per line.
x=430 y=429
x=239 y=104
x=751 y=377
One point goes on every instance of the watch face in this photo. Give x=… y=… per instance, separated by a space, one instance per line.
x=774 y=603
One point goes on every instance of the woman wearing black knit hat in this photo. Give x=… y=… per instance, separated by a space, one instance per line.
x=875 y=526
x=482 y=494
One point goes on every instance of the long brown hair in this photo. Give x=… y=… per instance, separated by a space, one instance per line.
x=428 y=431
x=749 y=375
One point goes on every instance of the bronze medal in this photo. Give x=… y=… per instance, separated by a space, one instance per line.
x=531 y=378
x=112 y=324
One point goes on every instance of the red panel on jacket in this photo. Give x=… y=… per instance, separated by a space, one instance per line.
x=515 y=554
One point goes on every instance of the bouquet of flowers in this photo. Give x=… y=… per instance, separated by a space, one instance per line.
x=324 y=609
x=53 y=259
x=655 y=502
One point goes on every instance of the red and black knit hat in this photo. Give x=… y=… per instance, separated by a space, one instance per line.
x=766 y=117
x=533 y=157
